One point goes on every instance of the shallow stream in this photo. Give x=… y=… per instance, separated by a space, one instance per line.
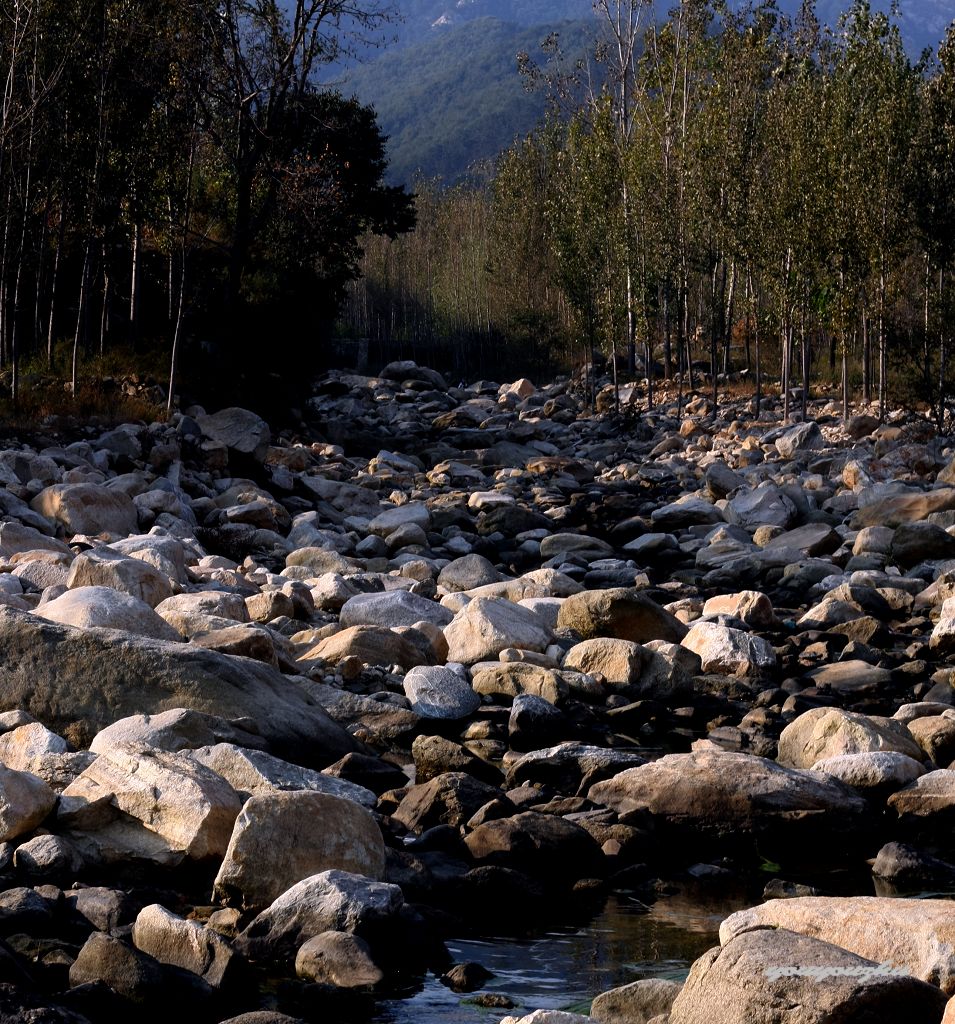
x=565 y=969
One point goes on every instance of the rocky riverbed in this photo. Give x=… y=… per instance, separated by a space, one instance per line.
x=281 y=714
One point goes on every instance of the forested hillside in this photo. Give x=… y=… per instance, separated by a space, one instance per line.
x=446 y=87
x=783 y=207
x=456 y=99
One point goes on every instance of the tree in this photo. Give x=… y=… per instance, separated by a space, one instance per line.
x=266 y=56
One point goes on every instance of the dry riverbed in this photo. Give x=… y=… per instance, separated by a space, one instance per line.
x=279 y=717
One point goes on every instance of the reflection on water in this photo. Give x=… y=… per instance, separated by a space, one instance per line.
x=566 y=969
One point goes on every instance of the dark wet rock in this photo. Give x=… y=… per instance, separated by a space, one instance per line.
x=449 y=799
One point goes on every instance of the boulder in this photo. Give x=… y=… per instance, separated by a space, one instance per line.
x=823 y=733
x=186 y=944
x=149 y=804
x=338 y=959
x=781 y=977
x=917 y=935
x=621 y=613
x=329 y=901
x=467 y=573
x=875 y=772
x=90 y=509
x=25 y=801
x=438 y=692
x=636 y=1003
x=244 y=434
x=386 y=522
x=102 y=567
x=372 y=645
x=751 y=606
x=920 y=542
x=253 y=771
x=765 y=505
x=392 y=608
x=620 y=662
x=927 y=805
x=486 y=626
x=540 y=845
x=107 y=608
x=128 y=972
x=728 y=795
x=23 y=747
x=450 y=799
x=280 y=838
x=726 y=651
x=177 y=729
x=801 y=438
x=79 y=681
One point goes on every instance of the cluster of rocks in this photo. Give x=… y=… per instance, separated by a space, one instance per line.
x=279 y=715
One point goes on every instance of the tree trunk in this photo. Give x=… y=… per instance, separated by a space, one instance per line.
x=883 y=354
x=728 y=320
x=80 y=320
x=134 y=285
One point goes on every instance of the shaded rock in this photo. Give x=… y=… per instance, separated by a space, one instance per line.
x=128 y=972
x=571 y=767
x=920 y=542
x=905 y=865
x=48 y=856
x=450 y=799
x=329 y=901
x=435 y=755
x=540 y=844
x=339 y=959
